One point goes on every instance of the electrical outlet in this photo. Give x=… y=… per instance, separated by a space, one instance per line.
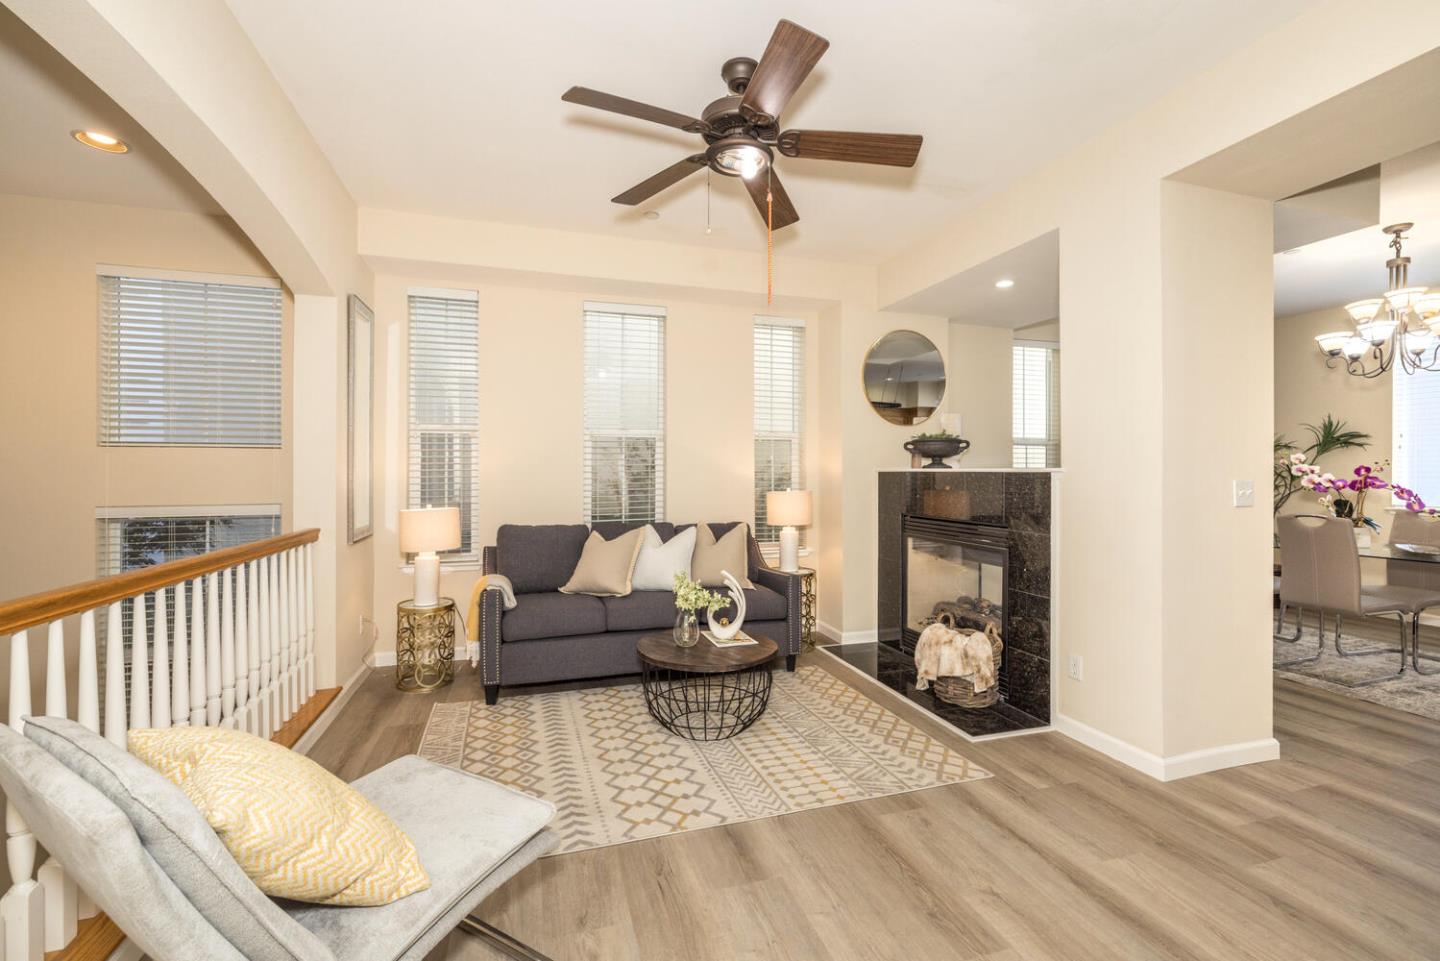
x=1244 y=495
x=1077 y=667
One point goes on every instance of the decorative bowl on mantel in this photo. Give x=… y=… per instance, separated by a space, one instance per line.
x=937 y=449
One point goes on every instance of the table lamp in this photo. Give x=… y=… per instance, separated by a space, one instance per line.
x=788 y=510
x=424 y=532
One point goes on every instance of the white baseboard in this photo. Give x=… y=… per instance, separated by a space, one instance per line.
x=1168 y=768
x=846 y=637
x=465 y=652
x=327 y=717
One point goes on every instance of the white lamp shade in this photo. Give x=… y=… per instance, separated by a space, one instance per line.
x=1333 y=343
x=1377 y=331
x=1362 y=310
x=429 y=529
x=1403 y=298
x=787 y=508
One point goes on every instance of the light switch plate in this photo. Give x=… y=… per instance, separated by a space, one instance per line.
x=1244 y=493
x=1077 y=667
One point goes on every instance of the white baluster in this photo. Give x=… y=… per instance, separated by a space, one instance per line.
x=160 y=674
x=277 y=643
x=309 y=621
x=139 y=665
x=61 y=895
x=242 y=651
x=266 y=695
x=197 y=652
x=115 y=675
x=212 y=651
x=180 y=665
x=227 y=650
x=292 y=609
x=252 y=632
x=87 y=712
x=22 y=909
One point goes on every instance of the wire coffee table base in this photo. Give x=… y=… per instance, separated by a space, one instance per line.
x=706 y=707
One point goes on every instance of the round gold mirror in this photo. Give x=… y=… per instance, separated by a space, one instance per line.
x=904 y=377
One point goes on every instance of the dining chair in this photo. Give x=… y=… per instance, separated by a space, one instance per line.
x=1320 y=570
x=1411 y=528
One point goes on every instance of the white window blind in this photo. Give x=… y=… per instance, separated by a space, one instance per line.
x=1415 y=406
x=189 y=362
x=624 y=413
x=1035 y=386
x=779 y=414
x=444 y=425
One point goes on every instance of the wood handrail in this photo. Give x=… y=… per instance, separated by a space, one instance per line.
x=27 y=612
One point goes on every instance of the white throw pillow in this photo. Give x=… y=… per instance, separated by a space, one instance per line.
x=655 y=570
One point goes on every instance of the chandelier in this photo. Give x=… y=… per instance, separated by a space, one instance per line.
x=1402 y=326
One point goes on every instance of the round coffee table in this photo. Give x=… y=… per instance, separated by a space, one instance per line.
x=705 y=693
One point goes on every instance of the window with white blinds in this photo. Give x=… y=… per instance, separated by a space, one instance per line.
x=779 y=414
x=624 y=413
x=1035 y=386
x=189 y=362
x=444 y=424
x=1415 y=406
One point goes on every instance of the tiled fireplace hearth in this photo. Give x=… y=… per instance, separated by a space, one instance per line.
x=975 y=545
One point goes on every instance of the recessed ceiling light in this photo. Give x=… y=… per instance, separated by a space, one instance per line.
x=101 y=141
x=651 y=215
x=1004 y=283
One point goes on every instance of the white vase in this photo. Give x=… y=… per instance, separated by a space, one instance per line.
x=1362 y=536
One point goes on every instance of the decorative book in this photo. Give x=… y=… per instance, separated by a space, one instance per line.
x=741 y=639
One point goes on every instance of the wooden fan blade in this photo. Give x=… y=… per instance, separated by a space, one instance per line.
x=785 y=214
x=651 y=186
x=788 y=59
x=891 y=149
x=586 y=97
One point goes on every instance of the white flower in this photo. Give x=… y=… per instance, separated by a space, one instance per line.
x=1297 y=458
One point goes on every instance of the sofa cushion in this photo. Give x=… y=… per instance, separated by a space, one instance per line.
x=606 y=567
x=539 y=557
x=658 y=562
x=552 y=614
x=653 y=610
x=714 y=556
x=640 y=611
x=613 y=529
x=753 y=559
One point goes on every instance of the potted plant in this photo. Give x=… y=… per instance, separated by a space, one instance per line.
x=690 y=599
x=937 y=445
x=1346 y=497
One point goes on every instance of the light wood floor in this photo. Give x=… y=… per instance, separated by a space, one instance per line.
x=1332 y=852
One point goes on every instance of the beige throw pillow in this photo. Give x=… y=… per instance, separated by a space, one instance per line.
x=606 y=567
x=730 y=553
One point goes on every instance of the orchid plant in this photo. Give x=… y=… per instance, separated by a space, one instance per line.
x=1345 y=497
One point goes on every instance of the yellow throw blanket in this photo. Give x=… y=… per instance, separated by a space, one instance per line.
x=472 y=623
x=941 y=652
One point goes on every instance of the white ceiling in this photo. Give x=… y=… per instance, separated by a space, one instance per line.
x=44 y=99
x=454 y=107
x=971 y=297
x=1350 y=267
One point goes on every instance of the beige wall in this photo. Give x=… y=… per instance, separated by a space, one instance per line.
x=979 y=377
x=56 y=474
x=532 y=406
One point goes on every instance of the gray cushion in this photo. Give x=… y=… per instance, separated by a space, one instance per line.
x=552 y=615
x=87 y=832
x=177 y=836
x=651 y=610
x=613 y=529
x=539 y=557
x=471 y=834
x=640 y=610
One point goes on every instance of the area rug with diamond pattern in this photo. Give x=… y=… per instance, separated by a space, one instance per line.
x=616 y=775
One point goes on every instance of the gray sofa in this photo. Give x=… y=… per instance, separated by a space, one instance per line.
x=550 y=636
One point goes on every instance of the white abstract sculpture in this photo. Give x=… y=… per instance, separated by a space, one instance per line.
x=728 y=631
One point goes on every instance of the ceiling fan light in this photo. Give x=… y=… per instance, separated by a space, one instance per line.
x=1362 y=310
x=1377 y=331
x=1401 y=300
x=1333 y=343
x=738 y=158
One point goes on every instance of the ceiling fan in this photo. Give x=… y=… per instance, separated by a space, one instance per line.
x=742 y=131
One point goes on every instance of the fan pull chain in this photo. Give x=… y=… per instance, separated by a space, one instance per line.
x=769 y=242
x=707 y=200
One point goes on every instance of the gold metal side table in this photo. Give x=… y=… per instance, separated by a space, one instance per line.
x=807 y=607
x=424 y=646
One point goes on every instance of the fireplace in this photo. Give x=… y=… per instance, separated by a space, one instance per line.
x=953 y=568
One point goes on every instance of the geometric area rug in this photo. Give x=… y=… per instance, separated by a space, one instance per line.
x=615 y=775
x=1412 y=692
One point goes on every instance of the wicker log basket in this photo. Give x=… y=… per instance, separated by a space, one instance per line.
x=960 y=690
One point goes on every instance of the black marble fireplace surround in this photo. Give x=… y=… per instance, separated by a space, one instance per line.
x=1009 y=508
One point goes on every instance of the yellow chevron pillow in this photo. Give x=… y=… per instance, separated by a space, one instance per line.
x=298 y=831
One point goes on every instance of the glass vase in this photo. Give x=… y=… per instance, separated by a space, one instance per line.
x=687 y=629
